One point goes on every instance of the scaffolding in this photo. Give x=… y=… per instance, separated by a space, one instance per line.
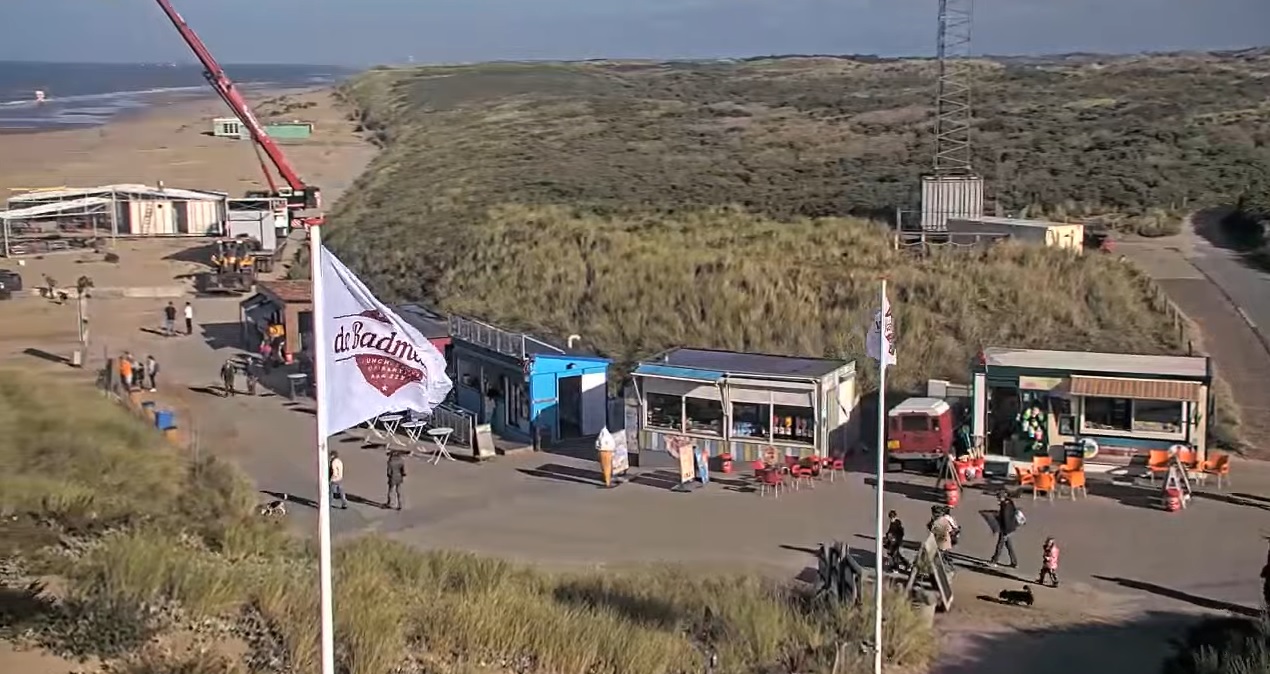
x=46 y=220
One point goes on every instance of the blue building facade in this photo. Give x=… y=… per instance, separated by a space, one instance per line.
x=520 y=384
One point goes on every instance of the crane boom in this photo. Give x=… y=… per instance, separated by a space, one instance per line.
x=299 y=194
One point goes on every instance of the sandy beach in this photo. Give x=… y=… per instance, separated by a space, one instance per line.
x=169 y=143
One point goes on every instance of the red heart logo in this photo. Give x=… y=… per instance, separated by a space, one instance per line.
x=385 y=374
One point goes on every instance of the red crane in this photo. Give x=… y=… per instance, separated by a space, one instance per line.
x=298 y=194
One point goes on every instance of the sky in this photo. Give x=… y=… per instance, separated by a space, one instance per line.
x=369 y=32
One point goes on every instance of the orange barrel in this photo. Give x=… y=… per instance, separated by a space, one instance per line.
x=725 y=463
x=952 y=494
x=1172 y=499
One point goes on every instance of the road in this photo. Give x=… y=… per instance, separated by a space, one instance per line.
x=1229 y=302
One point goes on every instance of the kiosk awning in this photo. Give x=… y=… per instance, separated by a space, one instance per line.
x=1138 y=389
x=678 y=374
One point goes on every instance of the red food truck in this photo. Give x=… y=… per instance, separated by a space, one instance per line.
x=919 y=432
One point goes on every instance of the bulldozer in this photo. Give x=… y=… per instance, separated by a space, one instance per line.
x=241 y=255
x=235 y=263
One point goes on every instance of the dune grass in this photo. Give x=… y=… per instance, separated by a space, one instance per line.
x=646 y=206
x=152 y=530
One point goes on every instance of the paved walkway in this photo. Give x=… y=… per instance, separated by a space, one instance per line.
x=1230 y=303
x=1118 y=557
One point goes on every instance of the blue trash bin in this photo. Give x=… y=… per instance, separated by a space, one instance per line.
x=164 y=419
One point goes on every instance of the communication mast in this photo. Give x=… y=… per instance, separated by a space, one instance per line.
x=952 y=189
x=952 y=97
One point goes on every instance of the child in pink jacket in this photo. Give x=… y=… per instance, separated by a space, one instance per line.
x=1049 y=563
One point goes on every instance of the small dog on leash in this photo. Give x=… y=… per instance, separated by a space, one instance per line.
x=274 y=508
x=1017 y=597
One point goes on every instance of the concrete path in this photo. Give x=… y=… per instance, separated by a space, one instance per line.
x=1230 y=303
x=1120 y=559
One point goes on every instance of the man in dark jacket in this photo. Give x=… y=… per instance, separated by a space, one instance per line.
x=396 y=475
x=1007 y=524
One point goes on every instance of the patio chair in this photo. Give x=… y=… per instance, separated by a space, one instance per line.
x=1219 y=465
x=1026 y=475
x=1188 y=459
x=834 y=465
x=1074 y=481
x=772 y=479
x=1073 y=463
x=800 y=474
x=1042 y=462
x=1157 y=463
x=1044 y=482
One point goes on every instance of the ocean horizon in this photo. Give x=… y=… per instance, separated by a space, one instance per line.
x=82 y=95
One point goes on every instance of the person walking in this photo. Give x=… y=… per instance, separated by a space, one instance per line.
x=189 y=319
x=227 y=375
x=125 y=371
x=337 y=479
x=152 y=372
x=169 y=320
x=396 y=476
x=1008 y=520
x=1049 y=562
x=946 y=532
x=253 y=378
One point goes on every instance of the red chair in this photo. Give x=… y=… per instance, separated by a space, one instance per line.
x=801 y=474
x=772 y=479
x=813 y=464
x=834 y=465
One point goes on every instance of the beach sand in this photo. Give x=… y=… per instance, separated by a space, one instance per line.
x=169 y=143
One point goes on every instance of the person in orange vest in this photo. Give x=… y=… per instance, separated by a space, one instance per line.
x=125 y=371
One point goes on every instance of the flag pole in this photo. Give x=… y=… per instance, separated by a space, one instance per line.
x=323 y=459
x=884 y=349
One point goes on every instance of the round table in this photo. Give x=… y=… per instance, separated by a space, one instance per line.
x=440 y=436
x=390 y=422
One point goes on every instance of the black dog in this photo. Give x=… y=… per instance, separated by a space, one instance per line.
x=1017 y=597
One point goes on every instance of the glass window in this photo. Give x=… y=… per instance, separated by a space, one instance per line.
x=703 y=416
x=664 y=411
x=751 y=420
x=1108 y=414
x=1158 y=416
x=793 y=424
x=469 y=372
x=914 y=422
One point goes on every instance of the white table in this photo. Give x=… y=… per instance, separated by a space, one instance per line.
x=414 y=430
x=390 y=422
x=372 y=432
x=439 y=437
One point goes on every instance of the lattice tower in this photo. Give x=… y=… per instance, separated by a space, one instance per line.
x=952 y=98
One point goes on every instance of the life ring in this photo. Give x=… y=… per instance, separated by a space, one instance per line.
x=1089 y=448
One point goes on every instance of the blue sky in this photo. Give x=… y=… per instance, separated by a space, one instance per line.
x=366 y=32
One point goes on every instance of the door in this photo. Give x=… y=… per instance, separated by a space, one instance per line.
x=595 y=412
x=182 y=216
x=570 y=407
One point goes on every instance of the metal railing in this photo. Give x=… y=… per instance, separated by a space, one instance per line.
x=462 y=421
x=514 y=344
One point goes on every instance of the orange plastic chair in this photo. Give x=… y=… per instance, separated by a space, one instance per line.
x=1025 y=475
x=1073 y=463
x=1075 y=481
x=1044 y=482
x=1157 y=463
x=1187 y=459
x=1042 y=461
x=1219 y=465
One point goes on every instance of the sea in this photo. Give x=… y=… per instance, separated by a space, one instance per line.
x=79 y=95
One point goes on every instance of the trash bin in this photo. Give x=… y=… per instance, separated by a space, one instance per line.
x=164 y=419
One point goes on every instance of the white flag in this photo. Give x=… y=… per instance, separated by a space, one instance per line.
x=880 y=342
x=374 y=362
